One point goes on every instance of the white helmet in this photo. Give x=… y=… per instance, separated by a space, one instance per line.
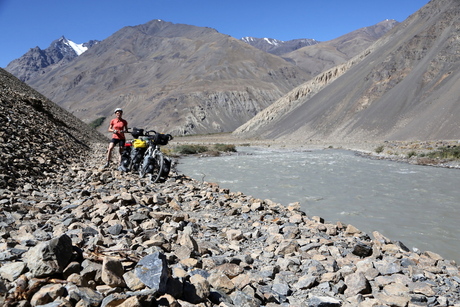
x=118 y=109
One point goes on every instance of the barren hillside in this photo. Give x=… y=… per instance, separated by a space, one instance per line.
x=175 y=78
x=404 y=87
x=320 y=57
x=37 y=137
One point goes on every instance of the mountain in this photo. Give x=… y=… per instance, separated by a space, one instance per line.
x=404 y=87
x=320 y=57
x=315 y=57
x=278 y=47
x=172 y=77
x=178 y=78
x=37 y=62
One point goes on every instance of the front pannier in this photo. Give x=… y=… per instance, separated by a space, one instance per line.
x=162 y=139
x=125 y=158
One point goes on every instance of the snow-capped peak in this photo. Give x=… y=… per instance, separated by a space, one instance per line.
x=248 y=39
x=78 y=48
x=272 y=41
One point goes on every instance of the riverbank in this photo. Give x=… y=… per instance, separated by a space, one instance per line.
x=88 y=236
x=413 y=152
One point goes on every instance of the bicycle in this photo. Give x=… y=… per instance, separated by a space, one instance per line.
x=153 y=162
x=133 y=152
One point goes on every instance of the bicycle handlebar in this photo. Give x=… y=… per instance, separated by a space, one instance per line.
x=147 y=133
x=151 y=133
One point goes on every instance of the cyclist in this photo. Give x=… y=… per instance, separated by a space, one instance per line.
x=118 y=126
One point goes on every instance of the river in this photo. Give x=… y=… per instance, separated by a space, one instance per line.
x=417 y=205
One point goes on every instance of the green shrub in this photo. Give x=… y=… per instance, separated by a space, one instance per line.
x=379 y=149
x=212 y=150
x=449 y=152
x=97 y=122
x=190 y=149
x=225 y=147
x=410 y=154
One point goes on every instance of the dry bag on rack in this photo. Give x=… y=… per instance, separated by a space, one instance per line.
x=162 y=139
x=138 y=143
x=136 y=133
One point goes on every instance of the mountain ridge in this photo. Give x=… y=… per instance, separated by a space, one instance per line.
x=185 y=79
x=37 y=62
x=181 y=79
x=278 y=47
x=404 y=89
x=320 y=57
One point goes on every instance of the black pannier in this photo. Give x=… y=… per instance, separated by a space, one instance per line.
x=166 y=167
x=125 y=158
x=161 y=139
x=137 y=154
x=136 y=133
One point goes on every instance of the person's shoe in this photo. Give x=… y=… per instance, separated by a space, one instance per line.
x=106 y=165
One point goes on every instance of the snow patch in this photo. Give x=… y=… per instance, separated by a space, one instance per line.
x=78 y=48
x=270 y=41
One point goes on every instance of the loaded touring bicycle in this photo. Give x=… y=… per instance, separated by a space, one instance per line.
x=143 y=155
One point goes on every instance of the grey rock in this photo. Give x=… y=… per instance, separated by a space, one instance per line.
x=11 y=271
x=152 y=270
x=281 y=289
x=48 y=258
x=357 y=284
x=223 y=248
x=324 y=301
x=387 y=268
x=115 y=229
x=239 y=298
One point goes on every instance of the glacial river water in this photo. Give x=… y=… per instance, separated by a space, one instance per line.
x=417 y=205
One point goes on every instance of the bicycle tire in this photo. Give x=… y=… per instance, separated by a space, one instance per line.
x=157 y=167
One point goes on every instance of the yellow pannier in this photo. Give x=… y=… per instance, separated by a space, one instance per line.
x=137 y=143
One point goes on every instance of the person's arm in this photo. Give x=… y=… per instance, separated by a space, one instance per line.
x=111 y=128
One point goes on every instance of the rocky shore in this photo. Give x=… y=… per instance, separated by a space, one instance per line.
x=73 y=234
x=98 y=237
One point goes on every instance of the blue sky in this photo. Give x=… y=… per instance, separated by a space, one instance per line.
x=26 y=24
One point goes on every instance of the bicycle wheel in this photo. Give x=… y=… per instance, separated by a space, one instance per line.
x=157 y=167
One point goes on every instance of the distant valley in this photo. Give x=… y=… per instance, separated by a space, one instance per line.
x=387 y=81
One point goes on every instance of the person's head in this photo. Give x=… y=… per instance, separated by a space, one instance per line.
x=118 y=111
